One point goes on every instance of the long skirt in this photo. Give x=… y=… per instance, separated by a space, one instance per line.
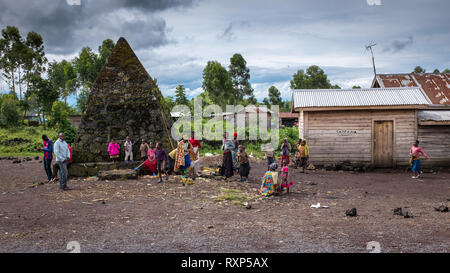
x=150 y=165
x=187 y=162
x=227 y=165
x=244 y=169
x=235 y=161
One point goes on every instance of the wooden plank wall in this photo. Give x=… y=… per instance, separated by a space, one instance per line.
x=435 y=142
x=335 y=136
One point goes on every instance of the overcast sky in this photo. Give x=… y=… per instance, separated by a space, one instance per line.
x=174 y=39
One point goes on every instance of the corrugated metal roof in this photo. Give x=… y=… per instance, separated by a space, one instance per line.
x=434 y=115
x=435 y=85
x=306 y=98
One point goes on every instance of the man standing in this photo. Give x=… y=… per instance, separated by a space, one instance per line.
x=62 y=154
x=48 y=156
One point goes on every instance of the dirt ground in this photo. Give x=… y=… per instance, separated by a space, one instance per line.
x=144 y=216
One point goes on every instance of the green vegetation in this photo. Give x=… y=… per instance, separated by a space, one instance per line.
x=237 y=197
x=23 y=141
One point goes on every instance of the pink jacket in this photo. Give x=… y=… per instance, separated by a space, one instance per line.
x=113 y=148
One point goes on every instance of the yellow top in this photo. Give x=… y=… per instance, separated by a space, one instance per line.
x=303 y=150
x=173 y=153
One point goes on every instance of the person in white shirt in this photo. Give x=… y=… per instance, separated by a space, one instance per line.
x=128 y=149
x=62 y=154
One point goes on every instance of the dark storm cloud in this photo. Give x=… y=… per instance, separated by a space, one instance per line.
x=66 y=28
x=398 y=45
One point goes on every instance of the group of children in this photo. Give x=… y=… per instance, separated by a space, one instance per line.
x=155 y=159
x=270 y=184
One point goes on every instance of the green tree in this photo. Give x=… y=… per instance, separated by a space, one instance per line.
x=104 y=50
x=250 y=100
x=45 y=95
x=33 y=57
x=63 y=78
x=21 y=59
x=446 y=70
x=240 y=76
x=9 y=114
x=180 y=95
x=11 y=47
x=217 y=83
x=275 y=96
x=82 y=99
x=356 y=87
x=436 y=71
x=418 y=69
x=313 y=78
x=88 y=65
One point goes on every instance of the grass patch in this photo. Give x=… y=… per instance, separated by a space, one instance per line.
x=32 y=140
x=237 y=197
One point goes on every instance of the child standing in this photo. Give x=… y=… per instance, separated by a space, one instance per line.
x=414 y=153
x=284 y=176
x=143 y=149
x=128 y=149
x=161 y=158
x=244 y=169
x=285 y=151
x=303 y=150
x=114 y=150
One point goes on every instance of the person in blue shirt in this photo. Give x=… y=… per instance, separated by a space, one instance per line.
x=48 y=156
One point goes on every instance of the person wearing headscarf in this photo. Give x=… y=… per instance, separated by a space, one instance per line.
x=227 y=158
x=234 y=153
x=270 y=185
x=184 y=155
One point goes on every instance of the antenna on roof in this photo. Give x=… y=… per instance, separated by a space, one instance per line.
x=369 y=47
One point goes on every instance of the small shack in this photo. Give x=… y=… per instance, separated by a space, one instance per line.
x=288 y=119
x=376 y=125
x=434 y=135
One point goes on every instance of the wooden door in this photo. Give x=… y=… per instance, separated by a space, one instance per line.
x=383 y=144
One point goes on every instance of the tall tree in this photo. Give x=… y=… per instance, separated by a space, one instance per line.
x=11 y=47
x=240 y=76
x=45 y=95
x=180 y=95
x=87 y=66
x=418 y=69
x=436 y=71
x=275 y=96
x=446 y=70
x=20 y=59
x=313 y=78
x=217 y=83
x=63 y=77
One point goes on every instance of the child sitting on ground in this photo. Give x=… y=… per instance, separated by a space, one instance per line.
x=284 y=176
x=114 y=150
x=161 y=163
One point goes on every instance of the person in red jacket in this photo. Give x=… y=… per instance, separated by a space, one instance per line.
x=56 y=166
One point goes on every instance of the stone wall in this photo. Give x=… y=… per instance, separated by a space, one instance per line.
x=124 y=101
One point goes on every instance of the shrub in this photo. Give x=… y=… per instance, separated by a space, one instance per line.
x=9 y=114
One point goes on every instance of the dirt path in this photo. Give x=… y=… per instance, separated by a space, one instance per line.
x=143 y=216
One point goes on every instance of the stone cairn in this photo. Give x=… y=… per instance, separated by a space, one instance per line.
x=124 y=101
